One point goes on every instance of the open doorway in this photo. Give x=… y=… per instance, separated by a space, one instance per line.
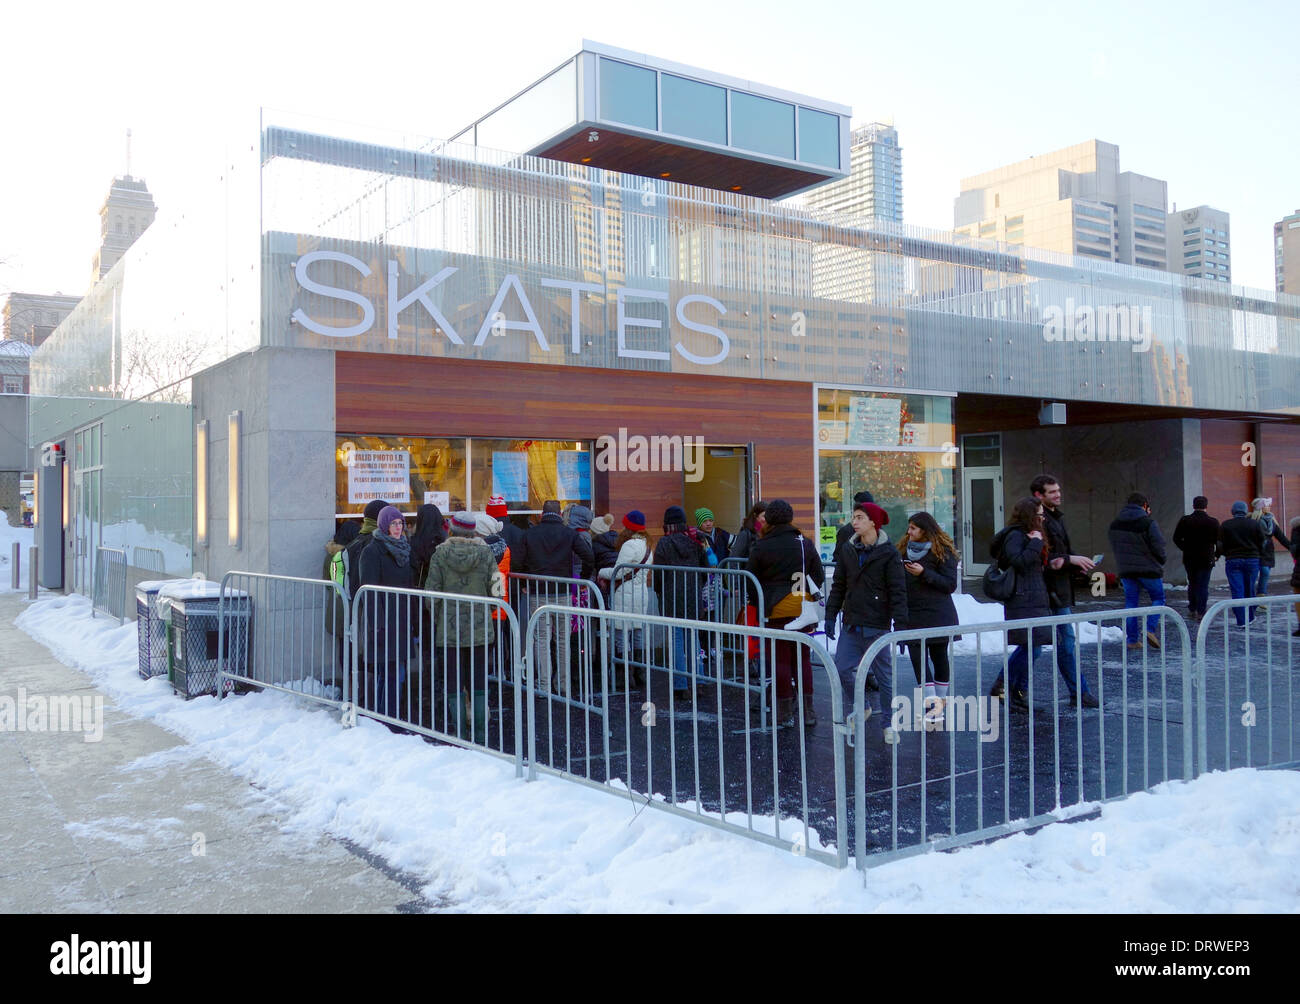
x=981 y=499
x=723 y=486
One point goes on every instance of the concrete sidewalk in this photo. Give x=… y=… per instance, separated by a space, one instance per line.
x=139 y=822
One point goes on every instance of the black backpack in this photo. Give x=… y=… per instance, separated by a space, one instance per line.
x=999 y=584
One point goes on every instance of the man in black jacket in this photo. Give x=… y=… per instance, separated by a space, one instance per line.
x=870 y=588
x=679 y=591
x=1195 y=535
x=1241 y=542
x=1139 y=550
x=551 y=548
x=1059 y=578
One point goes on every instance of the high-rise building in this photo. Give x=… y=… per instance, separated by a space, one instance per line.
x=1286 y=253
x=1075 y=200
x=1205 y=243
x=127 y=212
x=874 y=186
x=873 y=189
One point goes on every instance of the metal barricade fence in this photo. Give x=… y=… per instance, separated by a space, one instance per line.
x=1141 y=735
x=700 y=754
x=148 y=558
x=1260 y=703
x=284 y=633
x=571 y=670
x=108 y=590
x=438 y=664
x=718 y=595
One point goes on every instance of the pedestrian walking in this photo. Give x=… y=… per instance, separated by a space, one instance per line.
x=930 y=561
x=1022 y=545
x=1261 y=510
x=784 y=561
x=1139 y=550
x=870 y=590
x=1059 y=577
x=1241 y=543
x=1196 y=535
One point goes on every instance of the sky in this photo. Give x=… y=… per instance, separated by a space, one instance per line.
x=1203 y=95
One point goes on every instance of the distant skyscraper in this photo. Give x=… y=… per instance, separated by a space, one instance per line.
x=1205 y=245
x=1286 y=253
x=1074 y=200
x=873 y=189
x=127 y=212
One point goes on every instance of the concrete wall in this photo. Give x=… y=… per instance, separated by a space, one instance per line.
x=287 y=500
x=1099 y=465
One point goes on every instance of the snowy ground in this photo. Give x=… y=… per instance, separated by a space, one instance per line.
x=23 y=535
x=478 y=839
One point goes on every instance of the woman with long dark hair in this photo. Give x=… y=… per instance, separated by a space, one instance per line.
x=430 y=531
x=750 y=530
x=1021 y=545
x=930 y=560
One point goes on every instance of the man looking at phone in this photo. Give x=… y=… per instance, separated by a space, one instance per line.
x=1058 y=576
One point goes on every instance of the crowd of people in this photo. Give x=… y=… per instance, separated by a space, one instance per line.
x=878 y=585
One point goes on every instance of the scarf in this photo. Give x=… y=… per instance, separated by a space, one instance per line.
x=369 y=525
x=1266 y=524
x=398 y=548
x=915 y=551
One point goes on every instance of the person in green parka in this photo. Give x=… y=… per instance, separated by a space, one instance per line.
x=463 y=633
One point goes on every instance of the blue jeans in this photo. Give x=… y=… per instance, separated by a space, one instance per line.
x=1261 y=589
x=1066 y=659
x=852 y=646
x=1242 y=575
x=681 y=650
x=1018 y=666
x=1132 y=595
x=1198 y=590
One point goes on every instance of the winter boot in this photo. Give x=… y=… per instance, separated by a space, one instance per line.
x=785 y=711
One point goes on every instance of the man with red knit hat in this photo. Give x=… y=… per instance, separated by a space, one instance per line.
x=870 y=589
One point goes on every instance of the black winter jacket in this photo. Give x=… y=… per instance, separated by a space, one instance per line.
x=741 y=543
x=720 y=541
x=390 y=621
x=1267 y=558
x=1060 y=581
x=1241 y=537
x=604 y=550
x=1137 y=543
x=870 y=586
x=551 y=548
x=777 y=558
x=679 y=592
x=1014 y=548
x=929 y=595
x=1195 y=535
x=1295 y=553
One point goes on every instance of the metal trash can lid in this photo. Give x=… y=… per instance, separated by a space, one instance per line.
x=178 y=591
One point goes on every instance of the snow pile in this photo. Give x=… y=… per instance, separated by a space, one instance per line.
x=24 y=536
x=479 y=839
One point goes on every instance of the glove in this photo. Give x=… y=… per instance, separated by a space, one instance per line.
x=830 y=628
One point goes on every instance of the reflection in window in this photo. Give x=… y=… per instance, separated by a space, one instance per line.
x=627 y=94
x=819 y=138
x=762 y=125
x=694 y=109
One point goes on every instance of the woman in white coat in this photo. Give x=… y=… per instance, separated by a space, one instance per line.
x=630 y=591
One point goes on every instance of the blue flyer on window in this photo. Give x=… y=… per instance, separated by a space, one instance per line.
x=510 y=476
x=574 y=470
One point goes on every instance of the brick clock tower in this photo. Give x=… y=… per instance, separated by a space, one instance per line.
x=127 y=211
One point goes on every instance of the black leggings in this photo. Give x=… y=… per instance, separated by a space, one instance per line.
x=937 y=649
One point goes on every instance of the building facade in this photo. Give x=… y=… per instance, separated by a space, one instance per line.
x=1074 y=201
x=1206 y=244
x=127 y=211
x=32 y=317
x=1286 y=253
x=440 y=322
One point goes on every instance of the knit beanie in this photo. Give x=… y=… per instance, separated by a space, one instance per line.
x=485 y=524
x=877 y=515
x=863 y=496
x=496 y=507
x=779 y=511
x=463 y=524
x=1240 y=509
x=386 y=516
x=374 y=508
x=602 y=525
x=635 y=521
x=674 y=515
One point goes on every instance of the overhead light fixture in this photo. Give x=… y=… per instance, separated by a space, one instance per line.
x=201 y=482
x=586 y=160
x=735 y=188
x=665 y=174
x=234 y=473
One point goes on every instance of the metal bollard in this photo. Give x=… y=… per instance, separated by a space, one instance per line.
x=16 y=556
x=33 y=558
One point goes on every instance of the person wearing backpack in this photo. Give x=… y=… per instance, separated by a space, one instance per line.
x=1139 y=550
x=1021 y=547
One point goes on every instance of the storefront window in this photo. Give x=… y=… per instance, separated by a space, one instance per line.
x=459 y=473
x=899 y=447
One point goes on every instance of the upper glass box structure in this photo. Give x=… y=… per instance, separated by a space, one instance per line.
x=628 y=112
